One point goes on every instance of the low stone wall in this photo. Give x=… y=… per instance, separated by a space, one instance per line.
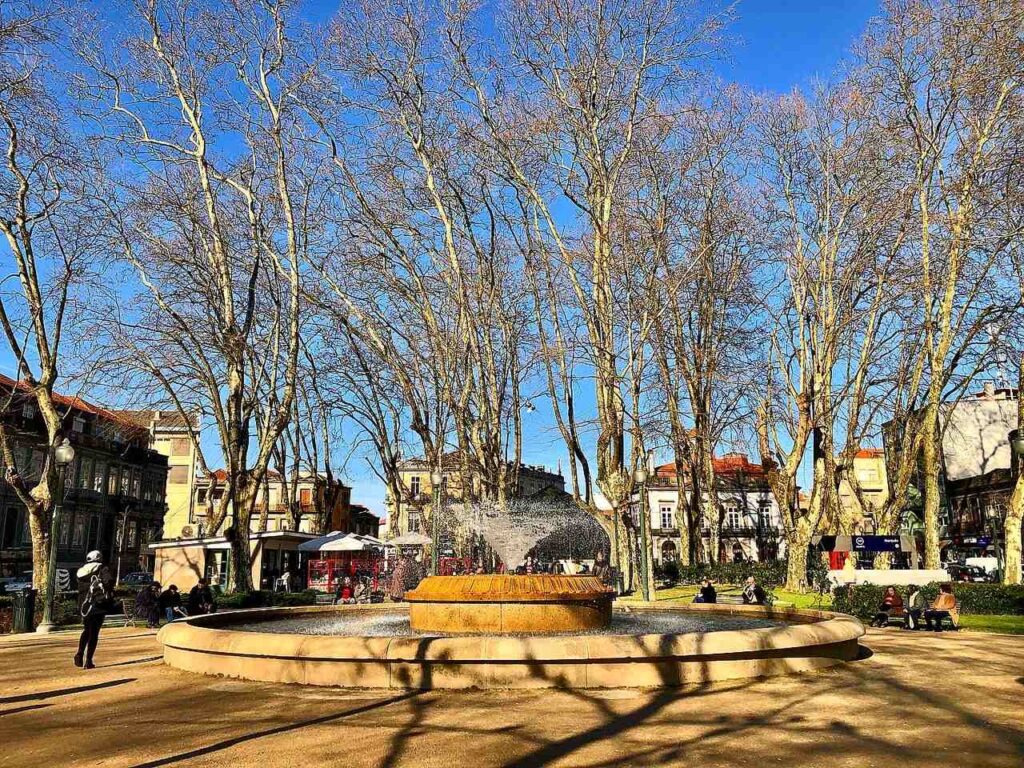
x=207 y=645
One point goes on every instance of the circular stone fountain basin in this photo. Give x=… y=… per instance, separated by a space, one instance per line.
x=232 y=644
x=505 y=604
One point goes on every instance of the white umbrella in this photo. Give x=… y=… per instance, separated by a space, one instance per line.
x=411 y=539
x=347 y=543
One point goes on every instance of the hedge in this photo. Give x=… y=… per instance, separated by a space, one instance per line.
x=264 y=598
x=768 y=574
x=863 y=600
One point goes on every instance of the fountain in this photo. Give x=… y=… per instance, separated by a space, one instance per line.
x=508 y=631
x=540 y=604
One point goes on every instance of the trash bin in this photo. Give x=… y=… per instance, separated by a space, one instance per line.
x=24 y=610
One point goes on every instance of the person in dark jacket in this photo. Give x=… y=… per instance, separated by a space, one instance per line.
x=200 y=599
x=146 y=605
x=170 y=602
x=892 y=605
x=753 y=593
x=95 y=590
x=708 y=593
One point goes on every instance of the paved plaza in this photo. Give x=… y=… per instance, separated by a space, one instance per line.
x=914 y=700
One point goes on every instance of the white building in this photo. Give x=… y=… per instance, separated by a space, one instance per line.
x=751 y=527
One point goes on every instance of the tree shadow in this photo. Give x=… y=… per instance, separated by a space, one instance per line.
x=130 y=661
x=40 y=696
x=24 y=709
x=228 y=743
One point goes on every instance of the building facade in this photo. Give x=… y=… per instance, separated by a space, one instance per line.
x=169 y=432
x=870 y=470
x=750 y=524
x=311 y=493
x=408 y=513
x=114 y=498
x=976 y=472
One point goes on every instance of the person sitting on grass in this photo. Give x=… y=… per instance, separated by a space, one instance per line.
x=707 y=593
x=892 y=605
x=753 y=593
x=944 y=607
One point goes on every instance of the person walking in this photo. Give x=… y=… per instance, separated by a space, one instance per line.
x=95 y=591
x=601 y=568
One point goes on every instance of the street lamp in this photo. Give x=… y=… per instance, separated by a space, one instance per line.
x=640 y=479
x=436 y=479
x=63 y=455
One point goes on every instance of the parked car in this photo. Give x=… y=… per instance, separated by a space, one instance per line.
x=137 y=579
x=967 y=573
x=24 y=581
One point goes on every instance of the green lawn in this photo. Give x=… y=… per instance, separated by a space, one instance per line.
x=1008 y=625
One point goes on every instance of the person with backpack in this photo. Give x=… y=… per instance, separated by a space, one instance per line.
x=95 y=591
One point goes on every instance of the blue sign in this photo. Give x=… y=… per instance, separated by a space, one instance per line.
x=876 y=544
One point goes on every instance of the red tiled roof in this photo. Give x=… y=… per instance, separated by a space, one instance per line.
x=75 y=403
x=869 y=453
x=729 y=464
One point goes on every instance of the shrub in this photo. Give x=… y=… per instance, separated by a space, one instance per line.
x=264 y=598
x=863 y=600
x=667 y=571
x=768 y=574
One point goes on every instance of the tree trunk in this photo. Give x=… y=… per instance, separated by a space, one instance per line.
x=930 y=468
x=1011 y=534
x=797 y=542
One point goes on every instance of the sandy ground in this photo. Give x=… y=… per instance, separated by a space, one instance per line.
x=916 y=700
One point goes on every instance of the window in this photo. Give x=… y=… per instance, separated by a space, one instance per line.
x=306 y=497
x=136 y=481
x=28 y=411
x=669 y=552
x=133 y=534
x=78 y=537
x=414 y=485
x=35 y=466
x=65 y=530
x=733 y=518
x=24 y=533
x=113 y=480
x=180 y=446
x=85 y=476
x=414 y=522
x=200 y=494
x=179 y=476
x=764 y=513
x=99 y=476
x=78 y=425
x=668 y=517
x=126 y=475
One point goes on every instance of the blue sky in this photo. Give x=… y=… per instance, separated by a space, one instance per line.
x=775 y=45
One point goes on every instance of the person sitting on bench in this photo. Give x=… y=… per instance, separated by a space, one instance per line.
x=892 y=605
x=944 y=607
x=914 y=608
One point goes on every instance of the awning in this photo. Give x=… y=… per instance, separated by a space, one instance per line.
x=411 y=539
x=336 y=541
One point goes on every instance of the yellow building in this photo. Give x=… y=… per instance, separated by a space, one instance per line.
x=310 y=493
x=869 y=469
x=409 y=513
x=170 y=437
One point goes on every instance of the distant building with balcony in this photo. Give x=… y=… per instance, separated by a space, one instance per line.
x=311 y=493
x=409 y=512
x=750 y=527
x=976 y=469
x=169 y=433
x=870 y=472
x=114 y=490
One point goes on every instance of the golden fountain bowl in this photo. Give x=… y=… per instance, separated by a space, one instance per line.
x=534 y=604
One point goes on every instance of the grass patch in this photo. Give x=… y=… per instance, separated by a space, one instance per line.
x=1009 y=625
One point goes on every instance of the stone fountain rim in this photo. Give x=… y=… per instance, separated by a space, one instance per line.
x=497 y=588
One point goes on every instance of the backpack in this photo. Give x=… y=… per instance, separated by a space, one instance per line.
x=97 y=597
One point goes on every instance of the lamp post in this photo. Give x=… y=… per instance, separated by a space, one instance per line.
x=640 y=479
x=63 y=455
x=436 y=479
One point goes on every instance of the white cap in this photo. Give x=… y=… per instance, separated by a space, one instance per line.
x=94 y=556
